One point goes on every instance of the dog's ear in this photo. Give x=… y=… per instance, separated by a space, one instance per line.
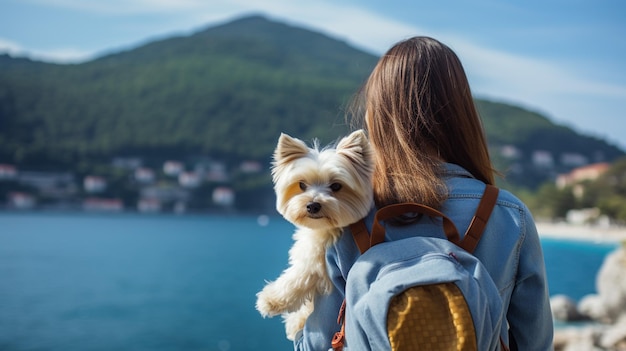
x=289 y=148
x=357 y=149
x=355 y=144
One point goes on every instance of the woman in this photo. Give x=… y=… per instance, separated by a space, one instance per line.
x=430 y=148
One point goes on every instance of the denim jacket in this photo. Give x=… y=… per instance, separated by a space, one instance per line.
x=509 y=249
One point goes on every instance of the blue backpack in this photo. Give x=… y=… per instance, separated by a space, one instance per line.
x=421 y=293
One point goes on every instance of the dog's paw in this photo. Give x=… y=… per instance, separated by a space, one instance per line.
x=295 y=321
x=267 y=303
x=293 y=324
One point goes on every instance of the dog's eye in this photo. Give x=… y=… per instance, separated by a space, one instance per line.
x=302 y=186
x=335 y=187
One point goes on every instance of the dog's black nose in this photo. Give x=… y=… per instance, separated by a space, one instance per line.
x=313 y=207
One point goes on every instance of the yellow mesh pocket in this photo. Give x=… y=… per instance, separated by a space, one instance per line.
x=432 y=317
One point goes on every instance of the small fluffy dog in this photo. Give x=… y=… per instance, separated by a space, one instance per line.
x=319 y=191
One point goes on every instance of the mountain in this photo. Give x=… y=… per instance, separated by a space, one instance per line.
x=226 y=92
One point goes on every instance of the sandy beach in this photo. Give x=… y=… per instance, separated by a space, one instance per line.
x=581 y=232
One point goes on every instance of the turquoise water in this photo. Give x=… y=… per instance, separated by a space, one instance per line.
x=130 y=282
x=571 y=265
x=79 y=283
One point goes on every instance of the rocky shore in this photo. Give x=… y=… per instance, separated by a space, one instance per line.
x=601 y=318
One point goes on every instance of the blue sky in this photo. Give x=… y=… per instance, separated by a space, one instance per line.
x=564 y=59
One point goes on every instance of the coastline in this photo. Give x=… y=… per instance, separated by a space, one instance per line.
x=611 y=234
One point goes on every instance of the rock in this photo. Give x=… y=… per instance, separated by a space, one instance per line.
x=611 y=283
x=614 y=338
x=564 y=309
x=610 y=302
x=576 y=339
x=608 y=307
x=593 y=307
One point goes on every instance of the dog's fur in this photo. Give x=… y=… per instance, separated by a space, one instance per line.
x=319 y=191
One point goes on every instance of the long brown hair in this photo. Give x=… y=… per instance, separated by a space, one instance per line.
x=419 y=112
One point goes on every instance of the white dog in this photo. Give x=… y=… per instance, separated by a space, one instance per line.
x=320 y=191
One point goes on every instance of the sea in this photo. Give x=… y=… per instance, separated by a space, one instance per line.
x=133 y=282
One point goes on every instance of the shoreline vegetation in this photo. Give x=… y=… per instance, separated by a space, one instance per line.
x=594 y=233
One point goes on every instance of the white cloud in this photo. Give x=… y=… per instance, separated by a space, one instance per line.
x=130 y=7
x=534 y=76
x=363 y=28
x=354 y=24
x=59 y=55
x=9 y=47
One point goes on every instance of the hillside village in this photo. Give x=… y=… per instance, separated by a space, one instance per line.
x=169 y=188
x=172 y=186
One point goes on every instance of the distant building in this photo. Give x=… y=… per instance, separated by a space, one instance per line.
x=50 y=184
x=165 y=193
x=44 y=180
x=127 y=162
x=251 y=167
x=103 y=205
x=94 y=184
x=7 y=172
x=224 y=196
x=21 y=201
x=510 y=152
x=577 y=175
x=173 y=168
x=582 y=216
x=573 y=160
x=543 y=159
x=180 y=207
x=189 y=180
x=144 y=175
x=213 y=171
x=149 y=205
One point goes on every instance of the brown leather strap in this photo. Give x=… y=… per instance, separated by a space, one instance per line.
x=503 y=345
x=362 y=240
x=396 y=210
x=481 y=217
x=339 y=338
x=360 y=235
x=470 y=240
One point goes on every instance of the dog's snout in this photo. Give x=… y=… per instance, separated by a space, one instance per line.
x=313 y=207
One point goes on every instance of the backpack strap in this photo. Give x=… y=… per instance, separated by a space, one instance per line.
x=360 y=235
x=472 y=236
x=479 y=221
x=364 y=240
x=395 y=210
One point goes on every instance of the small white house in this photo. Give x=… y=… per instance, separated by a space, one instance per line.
x=543 y=159
x=189 y=179
x=144 y=175
x=224 y=196
x=149 y=205
x=20 y=200
x=103 y=205
x=172 y=168
x=94 y=184
x=7 y=172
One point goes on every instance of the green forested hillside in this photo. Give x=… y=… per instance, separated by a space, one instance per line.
x=227 y=91
x=224 y=92
x=506 y=124
x=532 y=134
